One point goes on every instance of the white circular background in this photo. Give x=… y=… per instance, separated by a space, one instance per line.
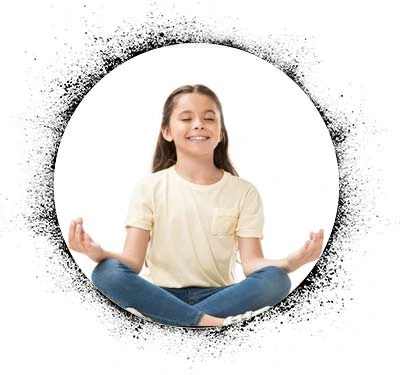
x=277 y=141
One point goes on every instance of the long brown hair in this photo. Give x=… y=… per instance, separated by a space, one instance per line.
x=165 y=154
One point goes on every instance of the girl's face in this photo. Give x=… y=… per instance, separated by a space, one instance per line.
x=194 y=115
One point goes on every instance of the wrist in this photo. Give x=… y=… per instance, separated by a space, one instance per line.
x=102 y=255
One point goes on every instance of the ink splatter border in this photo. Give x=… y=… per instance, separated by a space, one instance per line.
x=325 y=291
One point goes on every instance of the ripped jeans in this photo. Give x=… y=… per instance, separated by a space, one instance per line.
x=186 y=306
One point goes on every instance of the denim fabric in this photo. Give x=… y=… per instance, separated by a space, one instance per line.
x=186 y=306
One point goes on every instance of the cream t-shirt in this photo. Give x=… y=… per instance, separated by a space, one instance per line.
x=194 y=228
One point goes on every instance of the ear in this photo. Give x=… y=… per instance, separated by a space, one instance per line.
x=166 y=134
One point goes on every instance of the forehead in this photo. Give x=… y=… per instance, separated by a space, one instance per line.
x=194 y=102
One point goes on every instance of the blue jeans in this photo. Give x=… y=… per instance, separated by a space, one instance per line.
x=186 y=306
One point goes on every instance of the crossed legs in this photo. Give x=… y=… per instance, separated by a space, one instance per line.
x=264 y=287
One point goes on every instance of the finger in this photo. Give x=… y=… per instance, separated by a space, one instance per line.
x=71 y=234
x=312 y=234
x=318 y=242
x=82 y=231
x=87 y=237
x=80 y=221
x=78 y=236
x=318 y=235
x=321 y=236
x=86 y=241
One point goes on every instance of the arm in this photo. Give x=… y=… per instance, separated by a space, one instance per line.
x=132 y=255
x=252 y=257
x=134 y=251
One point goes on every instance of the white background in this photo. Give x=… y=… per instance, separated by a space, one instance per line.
x=45 y=331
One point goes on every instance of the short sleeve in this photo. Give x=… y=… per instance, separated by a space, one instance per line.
x=141 y=211
x=251 y=216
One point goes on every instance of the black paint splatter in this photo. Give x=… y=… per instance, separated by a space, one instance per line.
x=320 y=293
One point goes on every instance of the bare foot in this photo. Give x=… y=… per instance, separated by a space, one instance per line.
x=211 y=321
x=311 y=250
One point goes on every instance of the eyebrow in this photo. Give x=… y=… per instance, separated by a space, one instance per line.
x=189 y=111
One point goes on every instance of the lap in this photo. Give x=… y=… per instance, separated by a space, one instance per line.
x=264 y=287
x=194 y=295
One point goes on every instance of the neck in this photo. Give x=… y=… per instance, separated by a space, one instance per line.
x=198 y=171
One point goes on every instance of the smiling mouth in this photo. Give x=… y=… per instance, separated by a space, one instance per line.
x=198 y=139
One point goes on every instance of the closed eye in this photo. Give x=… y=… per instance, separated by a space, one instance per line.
x=206 y=119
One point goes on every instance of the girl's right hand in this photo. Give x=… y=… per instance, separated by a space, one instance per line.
x=81 y=242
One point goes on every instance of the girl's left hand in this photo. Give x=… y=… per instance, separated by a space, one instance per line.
x=310 y=251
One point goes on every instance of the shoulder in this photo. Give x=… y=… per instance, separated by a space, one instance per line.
x=150 y=183
x=153 y=178
x=243 y=185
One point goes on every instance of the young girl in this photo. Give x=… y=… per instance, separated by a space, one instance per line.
x=186 y=220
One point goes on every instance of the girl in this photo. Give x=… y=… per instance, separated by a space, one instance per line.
x=185 y=222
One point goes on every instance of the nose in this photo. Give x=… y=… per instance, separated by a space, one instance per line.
x=197 y=124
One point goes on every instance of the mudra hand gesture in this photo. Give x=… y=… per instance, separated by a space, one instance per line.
x=81 y=242
x=310 y=251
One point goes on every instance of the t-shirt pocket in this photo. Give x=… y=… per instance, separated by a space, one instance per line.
x=224 y=221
